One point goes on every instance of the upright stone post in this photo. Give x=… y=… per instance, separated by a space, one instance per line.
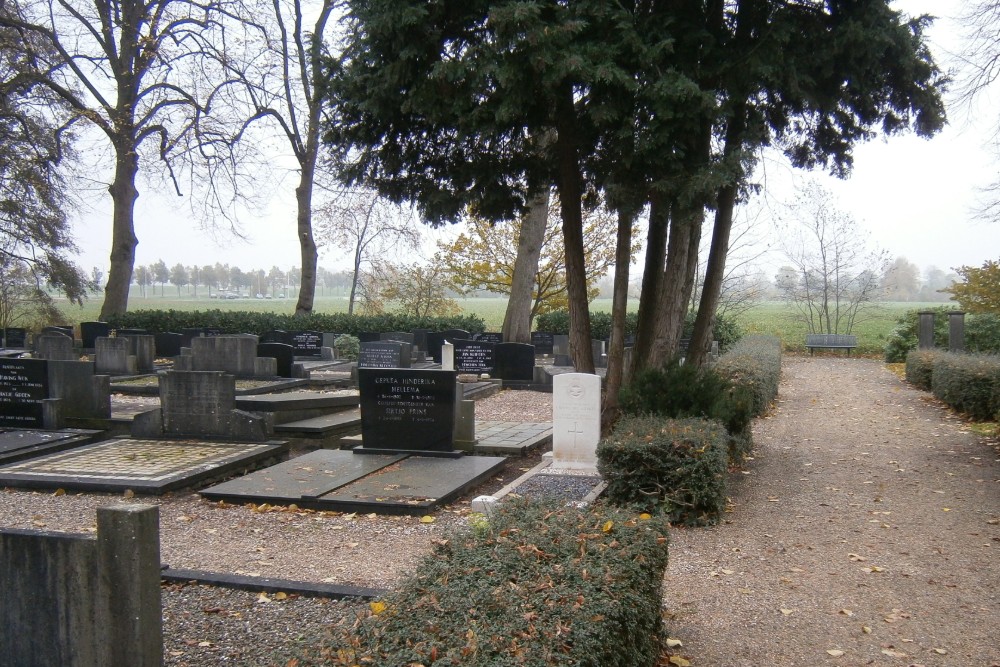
x=956 y=331
x=447 y=356
x=925 y=330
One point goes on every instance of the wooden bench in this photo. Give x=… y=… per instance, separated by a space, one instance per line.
x=831 y=341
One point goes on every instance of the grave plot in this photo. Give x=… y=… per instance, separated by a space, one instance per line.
x=344 y=481
x=18 y=444
x=142 y=466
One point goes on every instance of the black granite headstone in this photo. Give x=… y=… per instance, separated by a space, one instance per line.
x=89 y=332
x=401 y=336
x=420 y=338
x=368 y=336
x=15 y=337
x=24 y=384
x=384 y=354
x=282 y=352
x=306 y=343
x=407 y=409
x=60 y=329
x=514 y=362
x=213 y=331
x=168 y=344
x=489 y=337
x=275 y=336
x=474 y=356
x=188 y=333
x=435 y=339
x=543 y=342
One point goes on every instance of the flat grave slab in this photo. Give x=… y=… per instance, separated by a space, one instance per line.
x=297 y=400
x=343 y=481
x=18 y=444
x=338 y=421
x=511 y=438
x=143 y=466
x=307 y=476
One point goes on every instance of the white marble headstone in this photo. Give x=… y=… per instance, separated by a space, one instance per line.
x=447 y=356
x=576 y=421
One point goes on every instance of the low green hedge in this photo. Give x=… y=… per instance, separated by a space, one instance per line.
x=241 y=321
x=673 y=466
x=970 y=383
x=754 y=362
x=920 y=367
x=534 y=585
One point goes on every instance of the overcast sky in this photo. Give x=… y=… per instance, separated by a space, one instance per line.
x=917 y=197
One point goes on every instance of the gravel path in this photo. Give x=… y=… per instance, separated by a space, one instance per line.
x=864 y=533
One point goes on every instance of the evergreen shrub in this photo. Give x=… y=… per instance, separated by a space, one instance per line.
x=970 y=383
x=533 y=585
x=754 y=363
x=982 y=332
x=676 y=467
x=347 y=346
x=920 y=367
x=241 y=321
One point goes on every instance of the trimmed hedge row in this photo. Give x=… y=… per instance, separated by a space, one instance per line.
x=920 y=367
x=241 y=321
x=754 y=362
x=970 y=383
x=535 y=585
x=674 y=466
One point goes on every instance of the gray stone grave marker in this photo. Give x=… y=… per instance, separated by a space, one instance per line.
x=576 y=421
x=112 y=356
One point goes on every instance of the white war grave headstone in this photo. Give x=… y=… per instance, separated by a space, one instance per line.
x=576 y=421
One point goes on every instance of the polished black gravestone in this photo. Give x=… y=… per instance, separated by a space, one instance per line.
x=275 y=336
x=15 y=337
x=543 y=341
x=283 y=353
x=306 y=343
x=514 y=363
x=345 y=481
x=24 y=385
x=489 y=337
x=407 y=409
x=91 y=331
x=384 y=354
x=474 y=356
x=168 y=344
x=435 y=339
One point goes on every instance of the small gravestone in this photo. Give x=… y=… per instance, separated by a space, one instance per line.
x=474 y=356
x=369 y=337
x=55 y=346
x=236 y=355
x=956 y=331
x=90 y=331
x=597 y=348
x=560 y=344
x=306 y=343
x=82 y=394
x=275 y=336
x=112 y=356
x=420 y=338
x=543 y=342
x=576 y=421
x=168 y=344
x=23 y=390
x=59 y=329
x=143 y=348
x=190 y=333
x=514 y=363
x=407 y=409
x=15 y=337
x=447 y=356
x=489 y=337
x=384 y=354
x=925 y=330
x=562 y=360
x=196 y=403
x=282 y=353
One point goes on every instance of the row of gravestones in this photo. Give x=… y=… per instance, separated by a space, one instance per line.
x=39 y=393
x=511 y=362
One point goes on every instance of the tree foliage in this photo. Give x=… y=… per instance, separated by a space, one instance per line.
x=416 y=290
x=483 y=258
x=979 y=289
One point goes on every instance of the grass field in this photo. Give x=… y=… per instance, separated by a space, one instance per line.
x=772 y=318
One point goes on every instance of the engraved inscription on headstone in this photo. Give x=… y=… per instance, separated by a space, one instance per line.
x=387 y=354
x=473 y=356
x=15 y=337
x=23 y=387
x=543 y=342
x=407 y=409
x=306 y=343
x=576 y=421
x=489 y=337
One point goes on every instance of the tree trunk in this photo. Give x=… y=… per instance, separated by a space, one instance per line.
x=570 y=184
x=123 y=240
x=517 y=319
x=656 y=253
x=704 y=323
x=616 y=346
x=309 y=254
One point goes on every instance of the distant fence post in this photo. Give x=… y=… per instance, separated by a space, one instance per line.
x=80 y=600
x=956 y=331
x=925 y=331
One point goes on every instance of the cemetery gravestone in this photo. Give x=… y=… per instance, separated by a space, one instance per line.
x=489 y=337
x=82 y=394
x=233 y=354
x=23 y=390
x=55 y=346
x=59 y=329
x=420 y=338
x=560 y=344
x=168 y=344
x=576 y=421
x=306 y=343
x=131 y=332
x=112 y=356
x=90 y=331
x=386 y=354
x=543 y=342
x=474 y=356
x=189 y=334
x=407 y=409
x=282 y=353
x=400 y=336
x=437 y=338
x=369 y=337
x=275 y=336
x=197 y=403
x=15 y=337
x=143 y=348
x=514 y=363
